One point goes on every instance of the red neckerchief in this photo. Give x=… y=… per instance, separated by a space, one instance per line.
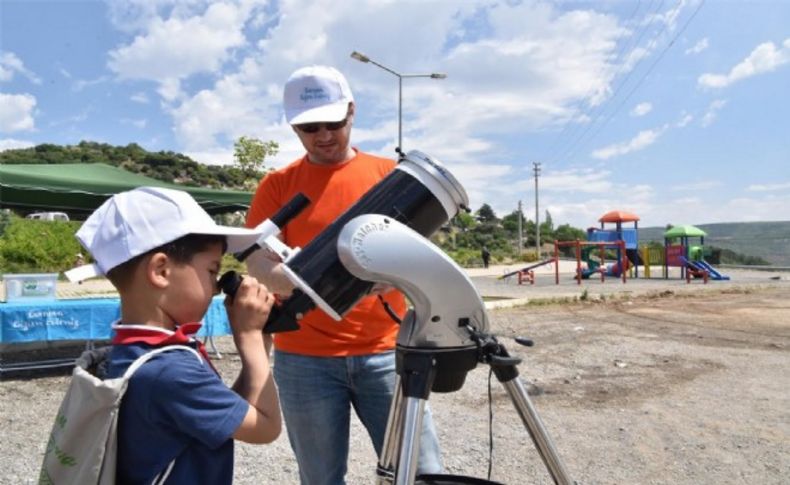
x=158 y=337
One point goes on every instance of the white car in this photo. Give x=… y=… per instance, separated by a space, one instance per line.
x=49 y=216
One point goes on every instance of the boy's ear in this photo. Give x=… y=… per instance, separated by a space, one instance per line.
x=158 y=270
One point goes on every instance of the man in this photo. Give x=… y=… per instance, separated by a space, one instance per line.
x=327 y=367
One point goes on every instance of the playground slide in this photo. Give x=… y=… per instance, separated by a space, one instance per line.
x=587 y=272
x=634 y=256
x=532 y=266
x=614 y=269
x=714 y=275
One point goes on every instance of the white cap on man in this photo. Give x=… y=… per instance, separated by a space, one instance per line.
x=316 y=94
x=132 y=223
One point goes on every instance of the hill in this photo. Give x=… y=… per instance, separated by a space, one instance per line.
x=164 y=165
x=769 y=240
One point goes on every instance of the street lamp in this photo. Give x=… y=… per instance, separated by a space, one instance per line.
x=434 y=75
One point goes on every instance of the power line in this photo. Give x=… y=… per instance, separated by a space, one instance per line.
x=590 y=91
x=649 y=70
x=568 y=150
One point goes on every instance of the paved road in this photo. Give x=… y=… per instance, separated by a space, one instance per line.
x=507 y=292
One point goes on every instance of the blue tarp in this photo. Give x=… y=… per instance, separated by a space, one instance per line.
x=82 y=319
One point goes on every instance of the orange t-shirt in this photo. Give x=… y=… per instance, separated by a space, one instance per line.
x=366 y=328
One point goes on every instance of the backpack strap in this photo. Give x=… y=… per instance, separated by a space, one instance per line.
x=162 y=477
x=148 y=355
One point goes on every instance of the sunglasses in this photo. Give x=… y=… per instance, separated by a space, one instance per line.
x=314 y=127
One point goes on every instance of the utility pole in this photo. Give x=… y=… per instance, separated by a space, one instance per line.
x=520 y=242
x=536 y=169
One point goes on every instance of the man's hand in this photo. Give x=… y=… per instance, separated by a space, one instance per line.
x=267 y=268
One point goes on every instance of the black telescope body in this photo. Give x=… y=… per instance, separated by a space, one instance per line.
x=420 y=193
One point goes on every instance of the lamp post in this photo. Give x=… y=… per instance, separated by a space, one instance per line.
x=434 y=75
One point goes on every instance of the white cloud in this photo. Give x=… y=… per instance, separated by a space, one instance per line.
x=176 y=48
x=700 y=46
x=745 y=209
x=81 y=84
x=521 y=77
x=513 y=68
x=17 y=112
x=135 y=15
x=12 y=144
x=713 y=111
x=141 y=98
x=641 y=141
x=11 y=64
x=641 y=109
x=764 y=58
x=585 y=181
x=212 y=157
x=684 y=120
x=769 y=187
x=170 y=89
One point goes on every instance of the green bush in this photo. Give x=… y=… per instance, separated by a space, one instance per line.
x=29 y=246
x=466 y=257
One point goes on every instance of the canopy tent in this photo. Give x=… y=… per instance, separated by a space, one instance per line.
x=684 y=231
x=79 y=188
x=619 y=216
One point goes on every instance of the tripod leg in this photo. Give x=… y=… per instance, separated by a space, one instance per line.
x=529 y=415
x=410 y=443
x=385 y=471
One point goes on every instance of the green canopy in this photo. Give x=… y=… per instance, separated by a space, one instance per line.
x=79 y=188
x=684 y=231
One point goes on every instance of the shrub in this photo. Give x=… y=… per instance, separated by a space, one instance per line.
x=29 y=246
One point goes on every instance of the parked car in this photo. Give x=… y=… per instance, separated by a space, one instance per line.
x=49 y=216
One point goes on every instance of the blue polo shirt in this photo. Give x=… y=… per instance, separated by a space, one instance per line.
x=175 y=407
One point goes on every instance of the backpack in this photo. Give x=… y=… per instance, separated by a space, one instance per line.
x=83 y=444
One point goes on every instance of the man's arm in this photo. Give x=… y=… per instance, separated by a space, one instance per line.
x=247 y=313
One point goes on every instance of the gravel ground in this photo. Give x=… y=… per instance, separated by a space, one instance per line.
x=669 y=388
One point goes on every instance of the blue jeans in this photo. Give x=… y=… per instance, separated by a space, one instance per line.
x=317 y=393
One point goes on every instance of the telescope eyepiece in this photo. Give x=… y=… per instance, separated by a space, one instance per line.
x=229 y=283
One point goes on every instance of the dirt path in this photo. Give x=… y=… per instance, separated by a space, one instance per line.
x=680 y=389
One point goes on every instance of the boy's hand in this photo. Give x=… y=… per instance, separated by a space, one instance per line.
x=250 y=307
x=248 y=311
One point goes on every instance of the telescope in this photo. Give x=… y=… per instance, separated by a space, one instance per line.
x=383 y=239
x=420 y=193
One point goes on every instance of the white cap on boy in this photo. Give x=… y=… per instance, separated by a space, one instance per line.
x=316 y=94
x=131 y=223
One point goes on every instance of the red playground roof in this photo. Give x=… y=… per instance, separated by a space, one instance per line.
x=619 y=216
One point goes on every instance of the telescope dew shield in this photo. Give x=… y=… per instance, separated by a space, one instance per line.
x=420 y=193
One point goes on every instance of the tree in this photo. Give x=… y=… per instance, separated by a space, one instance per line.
x=486 y=215
x=510 y=222
x=549 y=224
x=250 y=154
x=566 y=232
x=464 y=221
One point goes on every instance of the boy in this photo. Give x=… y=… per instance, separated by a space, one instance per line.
x=162 y=252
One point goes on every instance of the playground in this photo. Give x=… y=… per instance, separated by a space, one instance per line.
x=615 y=252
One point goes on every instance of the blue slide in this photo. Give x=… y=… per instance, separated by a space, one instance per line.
x=714 y=275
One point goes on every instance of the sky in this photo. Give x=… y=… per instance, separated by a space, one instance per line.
x=676 y=110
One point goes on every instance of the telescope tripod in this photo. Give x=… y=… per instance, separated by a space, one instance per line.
x=443 y=370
